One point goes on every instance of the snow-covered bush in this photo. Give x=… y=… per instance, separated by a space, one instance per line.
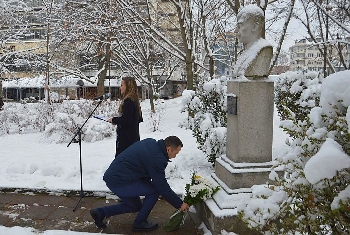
x=190 y=102
x=42 y=116
x=207 y=116
x=7 y=118
x=71 y=114
x=156 y=116
x=296 y=93
x=317 y=166
x=59 y=121
x=24 y=118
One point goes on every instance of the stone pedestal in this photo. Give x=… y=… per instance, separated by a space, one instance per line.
x=249 y=134
x=248 y=152
x=250 y=131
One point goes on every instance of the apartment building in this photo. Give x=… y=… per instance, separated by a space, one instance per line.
x=305 y=55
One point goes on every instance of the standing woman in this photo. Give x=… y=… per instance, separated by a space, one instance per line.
x=129 y=116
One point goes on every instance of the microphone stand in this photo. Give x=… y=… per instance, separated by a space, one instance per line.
x=73 y=140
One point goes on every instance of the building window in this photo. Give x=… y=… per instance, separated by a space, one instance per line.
x=37 y=3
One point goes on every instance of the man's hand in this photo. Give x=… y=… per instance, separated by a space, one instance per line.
x=184 y=207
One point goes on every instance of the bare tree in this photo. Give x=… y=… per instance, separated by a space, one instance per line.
x=91 y=25
x=48 y=9
x=14 y=27
x=322 y=21
x=201 y=24
x=280 y=11
x=140 y=55
x=198 y=24
x=335 y=12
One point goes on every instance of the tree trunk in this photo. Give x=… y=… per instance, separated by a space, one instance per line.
x=189 y=70
x=1 y=96
x=149 y=72
x=151 y=98
x=47 y=80
x=206 y=45
x=187 y=49
x=104 y=58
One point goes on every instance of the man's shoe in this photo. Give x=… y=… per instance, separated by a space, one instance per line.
x=96 y=215
x=144 y=227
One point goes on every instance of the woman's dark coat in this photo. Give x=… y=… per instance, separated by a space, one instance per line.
x=127 y=125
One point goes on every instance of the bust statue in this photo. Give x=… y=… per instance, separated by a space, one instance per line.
x=254 y=62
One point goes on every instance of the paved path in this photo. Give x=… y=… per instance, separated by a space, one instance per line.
x=43 y=211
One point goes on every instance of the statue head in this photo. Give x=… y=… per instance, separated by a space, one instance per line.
x=254 y=62
x=250 y=24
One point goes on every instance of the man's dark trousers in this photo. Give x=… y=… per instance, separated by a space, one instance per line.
x=131 y=202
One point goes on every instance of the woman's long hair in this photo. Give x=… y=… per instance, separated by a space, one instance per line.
x=131 y=92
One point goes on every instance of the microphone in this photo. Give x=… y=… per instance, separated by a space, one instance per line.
x=102 y=97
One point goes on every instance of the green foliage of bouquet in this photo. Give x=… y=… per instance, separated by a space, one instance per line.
x=197 y=191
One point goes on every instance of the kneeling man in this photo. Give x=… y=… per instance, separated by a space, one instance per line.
x=140 y=171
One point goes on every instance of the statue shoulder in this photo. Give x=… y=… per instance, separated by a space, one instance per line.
x=260 y=66
x=254 y=63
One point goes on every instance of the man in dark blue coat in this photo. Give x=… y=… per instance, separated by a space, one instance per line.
x=140 y=171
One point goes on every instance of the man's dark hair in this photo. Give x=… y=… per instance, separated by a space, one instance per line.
x=173 y=142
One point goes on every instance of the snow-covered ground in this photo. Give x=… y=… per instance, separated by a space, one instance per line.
x=30 y=162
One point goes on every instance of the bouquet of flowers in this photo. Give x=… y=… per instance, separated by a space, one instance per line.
x=197 y=191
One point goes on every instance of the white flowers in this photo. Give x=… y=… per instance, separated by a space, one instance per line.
x=199 y=190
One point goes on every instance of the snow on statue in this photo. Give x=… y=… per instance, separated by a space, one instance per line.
x=254 y=62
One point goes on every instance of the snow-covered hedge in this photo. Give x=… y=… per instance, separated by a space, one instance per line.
x=59 y=121
x=296 y=93
x=207 y=116
x=315 y=187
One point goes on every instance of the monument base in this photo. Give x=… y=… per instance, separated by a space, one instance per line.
x=236 y=181
x=217 y=219
x=241 y=175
